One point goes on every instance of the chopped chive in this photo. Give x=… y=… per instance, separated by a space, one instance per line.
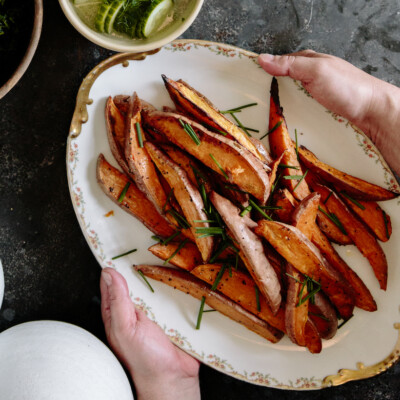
x=232 y=246
x=273 y=187
x=124 y=254
x=169 y=239
x=303 y=286
x=218 y=278
x=276 y=126
x=334 y=219
x=180 y=219
x=219 y=166
x=123 y=193
x=214 y=129
x=297 y=144
x=189 y=130
x=230 y=187
x=181 y=246
x=210 y=230
x=245 y=211
x=237 y=109
x=271 y=207
x=230 y=271
x=340 y=325
x=203 y=194
x=293 y=177
x=319 y=316
x=329 y=195
x=204 y=220
x=145 y=279
x=386 y=224
x=353 y=200
x=309 y=296
x=168 y=199
x=139 y=134
x=157 y=238
x=206 y=235
x=257 y=298
x=287 y=166
x=251 y=129
x=222 y=246
x=293 y=277
x=209 y=311
x=301 y=180
x=201 y=310
x=240 y=125
x=199 y=175
x=236 y=261
x=257 y=207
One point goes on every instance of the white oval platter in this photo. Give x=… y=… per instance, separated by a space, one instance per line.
x=231 y=77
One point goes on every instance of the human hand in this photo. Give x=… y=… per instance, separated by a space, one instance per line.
x=160 y=370
x=369 y=103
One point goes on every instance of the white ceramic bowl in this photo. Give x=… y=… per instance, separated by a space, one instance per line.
x=50 y=360
x=171 y=32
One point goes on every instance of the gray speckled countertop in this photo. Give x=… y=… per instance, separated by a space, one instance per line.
x=50 y=272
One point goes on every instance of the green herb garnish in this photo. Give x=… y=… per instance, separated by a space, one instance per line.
x=245 y=211
x=340 y=325
x=209 y=311
x=237 y=109
x=189 y=130
x=352 y=200
x=209 y=231
x=287 y=166
x=258 y=208
x=297 y=144
x=168 y=199
x=220 y=167
x=145 y=279
x=123 y=193
x=334 y=219
x=157 y=238
x=385 y=220
x=257 y=298
x=293 y=177
x=169 y=239
x=218 y=278
x=181 y=246
x=139 y=134
x=329 y=195
x=213 y=129
x=301 y=180
x=240 y=125
x=124 y=254
x=201 y=310
x=276 y=126
x=222 y=246
x=319 y=316
x=180 y=219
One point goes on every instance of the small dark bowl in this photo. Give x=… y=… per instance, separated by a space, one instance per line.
x=26 y=53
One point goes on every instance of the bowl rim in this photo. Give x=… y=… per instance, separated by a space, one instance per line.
x=32 y=46
x=108 y=43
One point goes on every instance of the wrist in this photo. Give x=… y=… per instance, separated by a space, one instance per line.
x=168 y=388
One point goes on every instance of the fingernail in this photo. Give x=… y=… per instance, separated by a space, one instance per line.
x=266 y=57
x=107 y=278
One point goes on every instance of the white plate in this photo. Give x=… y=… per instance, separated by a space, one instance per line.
x=51 y=360
x=231 y=77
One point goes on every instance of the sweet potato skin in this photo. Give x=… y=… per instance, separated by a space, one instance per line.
x=294 y=246
x=186 y=194
x=242 y=167
x=285 y=200
x=240 y=288
x=323 y=315
x=112 y=182
x=355 y=187
x=373 y=216
x=187 y=258
x=280 y=142
x=361 y=237
x=252 y=248
x=305 y=214
x=189 y=284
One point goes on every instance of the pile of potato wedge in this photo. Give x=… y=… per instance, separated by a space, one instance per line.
x=249 y=230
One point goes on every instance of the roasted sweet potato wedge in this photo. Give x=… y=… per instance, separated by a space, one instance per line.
x=135 y=202
x=203 y=111
x=187 y=196
x=313 y=340
x=304 y=219
x=187 y=283
x=262 y=150
x=139 y=161
x=323 y=315
x=361 y=237
x=274 y=169
x=280 y=142
x=283 y=198
x=251 y=246
x=121 y=101
x=240 y=288
x=115 y=125
x=294 y=246
x=372 y=215
x=186 y=258
x=224 y=156
x=356 y=187
x=296 y=311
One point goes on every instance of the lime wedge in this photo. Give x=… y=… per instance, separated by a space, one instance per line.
x=116 y=6
x=101 y=16
x=154 y=16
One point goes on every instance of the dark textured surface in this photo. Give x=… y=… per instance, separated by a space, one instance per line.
x=50 y=272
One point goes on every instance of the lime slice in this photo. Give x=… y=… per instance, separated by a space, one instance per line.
x=87 y=11
x=154 y=16
x=116 y=6
x=101 y=16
